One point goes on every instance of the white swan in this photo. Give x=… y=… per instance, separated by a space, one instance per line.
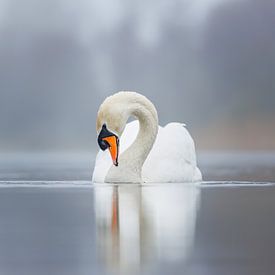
x=141 y=151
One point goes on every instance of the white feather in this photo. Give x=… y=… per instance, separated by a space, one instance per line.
x=172 y=158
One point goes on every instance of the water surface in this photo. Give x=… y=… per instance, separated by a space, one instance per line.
x=54 y=221
x=156 y=229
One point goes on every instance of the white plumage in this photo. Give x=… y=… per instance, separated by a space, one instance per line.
x=172 y=158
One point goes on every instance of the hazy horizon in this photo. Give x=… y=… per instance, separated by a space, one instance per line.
x=209 y=64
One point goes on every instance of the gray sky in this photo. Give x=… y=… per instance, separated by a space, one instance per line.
x=210 y=64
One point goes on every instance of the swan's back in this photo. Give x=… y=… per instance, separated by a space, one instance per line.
x=172 y=158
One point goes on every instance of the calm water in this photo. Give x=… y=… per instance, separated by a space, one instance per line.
x=54 y=224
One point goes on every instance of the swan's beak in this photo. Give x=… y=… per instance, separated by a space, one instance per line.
x=107 y=139
x=113 y=148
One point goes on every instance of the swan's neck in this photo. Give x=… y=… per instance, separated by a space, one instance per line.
x=132 y=160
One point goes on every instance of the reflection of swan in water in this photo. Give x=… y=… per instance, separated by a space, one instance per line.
x=118 y=225
x=144 y=224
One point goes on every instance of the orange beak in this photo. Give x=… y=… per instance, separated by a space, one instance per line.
x=113 y=148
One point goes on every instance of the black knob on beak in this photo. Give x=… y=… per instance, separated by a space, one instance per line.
x=103 y=144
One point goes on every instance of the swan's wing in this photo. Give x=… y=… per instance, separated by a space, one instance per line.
x=103 y=161
x=173 y=157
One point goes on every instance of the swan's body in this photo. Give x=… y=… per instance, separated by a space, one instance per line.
x=148 y=152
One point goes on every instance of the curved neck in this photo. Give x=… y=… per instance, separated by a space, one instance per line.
x=132 y=160
x=141 y=147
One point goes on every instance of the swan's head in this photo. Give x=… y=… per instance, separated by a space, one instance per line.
x=111 y=120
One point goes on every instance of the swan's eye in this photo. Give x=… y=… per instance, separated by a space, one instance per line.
x=103 y=144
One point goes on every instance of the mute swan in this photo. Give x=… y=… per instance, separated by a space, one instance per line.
x=141 y=151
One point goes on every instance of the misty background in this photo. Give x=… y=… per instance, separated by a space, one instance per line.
x=208 y=63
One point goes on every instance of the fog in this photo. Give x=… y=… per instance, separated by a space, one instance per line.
x=210 y=64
